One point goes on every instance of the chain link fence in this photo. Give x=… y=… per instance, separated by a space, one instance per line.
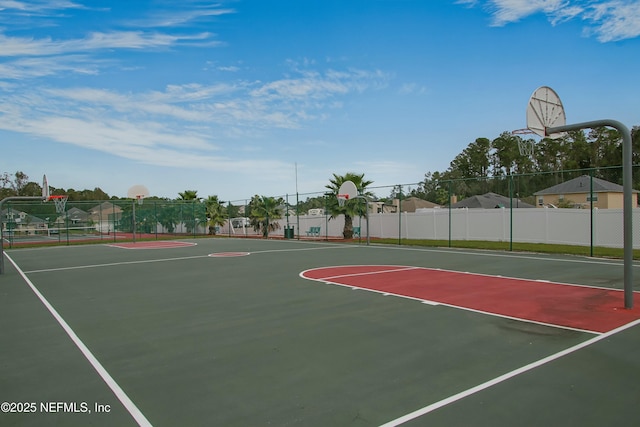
x=581 y=208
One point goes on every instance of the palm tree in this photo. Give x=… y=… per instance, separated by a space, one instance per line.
x=216 y=213
x=263 y=213
x=189 y=195
x=351 y=208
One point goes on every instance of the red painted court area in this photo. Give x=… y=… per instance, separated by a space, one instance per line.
x=152 y=245
x=580 y=307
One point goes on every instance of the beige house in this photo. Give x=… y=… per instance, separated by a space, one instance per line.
x=577 y=193
x=411 y=204
x=105 y=216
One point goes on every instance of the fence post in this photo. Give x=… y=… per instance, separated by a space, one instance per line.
x=591 y=212
x=510 y=212
x=450 y=184
x=155 y=217
x=66 y=220
x=399 y=215
x=298 y=213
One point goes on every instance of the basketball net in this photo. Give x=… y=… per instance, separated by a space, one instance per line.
x=60 y=202
x=342 y=199
x=525 y=146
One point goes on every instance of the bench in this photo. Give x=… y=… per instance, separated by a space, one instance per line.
x=313 y=231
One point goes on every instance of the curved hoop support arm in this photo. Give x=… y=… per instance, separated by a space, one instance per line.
x=627 y=183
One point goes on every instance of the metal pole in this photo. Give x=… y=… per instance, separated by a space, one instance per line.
x=286 y=214
x=591 y=212
x=450 y=203
x=511 y=212
x=627 y=182
x=298 y=213
x=155 y=217
x=133 y=221
x=399 y=215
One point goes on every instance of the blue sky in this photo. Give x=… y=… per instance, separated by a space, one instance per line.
x=227 y=97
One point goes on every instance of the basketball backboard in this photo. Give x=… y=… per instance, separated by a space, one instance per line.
x=45 y=188
x=545 y=110
x=347 y=191
x=138 y=192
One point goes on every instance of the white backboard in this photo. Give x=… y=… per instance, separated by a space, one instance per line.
x=138 y=191
x=45 y=188
x=544 y=111
x=348 y=190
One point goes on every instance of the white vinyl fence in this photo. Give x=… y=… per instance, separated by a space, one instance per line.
x=554 y=226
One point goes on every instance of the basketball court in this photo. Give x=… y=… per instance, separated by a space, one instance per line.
x=239 y=332
x=243 y=332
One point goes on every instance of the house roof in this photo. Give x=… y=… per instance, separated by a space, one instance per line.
x=107 y=207
x=410 y=204
x=76 y=214
x=10 y=212
x=581 y=185
x=490 y=201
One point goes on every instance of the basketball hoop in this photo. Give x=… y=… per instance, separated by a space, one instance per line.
x=342 y=199
x=522 y=132
x=525 y=146
x=60 y=202
x=346 y=191
x=138 y=192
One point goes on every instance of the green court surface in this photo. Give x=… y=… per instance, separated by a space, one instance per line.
x=109 y=335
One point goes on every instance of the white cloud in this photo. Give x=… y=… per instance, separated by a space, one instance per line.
x=37 y=6
x=182 y=124
x=615 y=20
x=176 y=18
x=34 y=67
x=412 y=89
x=230 y=68
x=608 y=21
x=506 y=11
x=23 y=46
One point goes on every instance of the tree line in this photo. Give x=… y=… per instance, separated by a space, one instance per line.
x=489 y=165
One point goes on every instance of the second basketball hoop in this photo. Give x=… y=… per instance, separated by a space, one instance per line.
x=347 y=190
x=342 y=199
x=138 y=192
x=60 y=202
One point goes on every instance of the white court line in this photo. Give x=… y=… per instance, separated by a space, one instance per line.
x=334 y=246
x=488 y=253
x=505 y=377
x=161 y=244
x=457 y=307
x=106 y=377
x=112 y=264
x=393 y=269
